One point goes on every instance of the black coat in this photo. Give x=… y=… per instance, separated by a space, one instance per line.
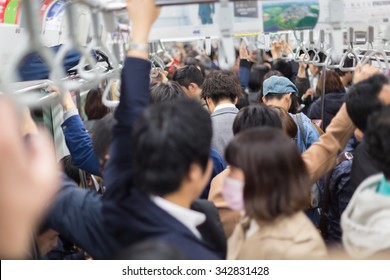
x=333 y=102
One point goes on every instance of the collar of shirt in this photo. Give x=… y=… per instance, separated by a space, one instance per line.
x=253 y=228
x=190 y=218
x=313 y=79
x=223 y=106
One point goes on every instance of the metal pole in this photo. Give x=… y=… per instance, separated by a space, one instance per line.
x=323 y=96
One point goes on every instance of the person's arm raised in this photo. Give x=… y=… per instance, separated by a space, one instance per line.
x=321 y=156
x=142 y=13
x=77 y=139
x=134 y=98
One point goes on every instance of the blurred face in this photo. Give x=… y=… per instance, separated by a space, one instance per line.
x=314 y=70
x=384 y=95
x=236 y=174
x=47 y=241
x=199 y=178
x=210 y=104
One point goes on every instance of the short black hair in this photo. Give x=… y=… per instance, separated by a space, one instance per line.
x=348 y=63
x=377 y=138
x=162 y=92
x=362 y=99
x=187 y=75
x=70 y=170
x=167 y=139
x=283 y=67
x=256 y=116
x=221 y=85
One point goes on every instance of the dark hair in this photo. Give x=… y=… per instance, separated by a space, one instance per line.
x=166 y=140
x=283 y=67
x=199 y=65
x=221 y=85
x=187 y=75
x=276 y=179
x=362 y=99
x=162 y=92
x=348 y=63
x=294 y=108
x=94 y=108
x=278 y=96
x=377 y=138
x=255 y=116
x=256 y=78
x=101 y=135
x=70 y=170
x=333 y=83
x=288 y=124
x=271 y=73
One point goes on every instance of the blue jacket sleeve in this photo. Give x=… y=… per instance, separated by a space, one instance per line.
x=80 y=145
x=134 y=98
x=312 y=134
x=77 y=215
x=219 y=165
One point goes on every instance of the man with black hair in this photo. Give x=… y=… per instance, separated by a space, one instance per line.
x=363 y=99
x=365 y=222
x=346 y=77
x=221 y=92
x=158 y=164
x=190 y=78
x=97 y=224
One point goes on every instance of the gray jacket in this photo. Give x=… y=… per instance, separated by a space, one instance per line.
x=365 y=221
x=222 y=121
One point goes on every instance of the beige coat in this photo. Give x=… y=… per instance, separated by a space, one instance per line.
x=292 y=237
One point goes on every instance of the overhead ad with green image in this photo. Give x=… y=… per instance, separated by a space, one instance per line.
x=287 y=15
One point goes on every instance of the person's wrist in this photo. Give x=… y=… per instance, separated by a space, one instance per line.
x=69 y=106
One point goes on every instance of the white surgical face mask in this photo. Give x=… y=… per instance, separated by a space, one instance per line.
x=232 y=192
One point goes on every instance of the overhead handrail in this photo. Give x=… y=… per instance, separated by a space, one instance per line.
x=165 y=54
x=286 y=46
x=111 y=75
x=351 y=52
x=322 y=49
x=73 y=44
x=306 y=58
x=155 y=59
x=96 y=43
x=379 y=55
x=264 y=42
x=31 y=94
x=301 y=47
x=30 y=11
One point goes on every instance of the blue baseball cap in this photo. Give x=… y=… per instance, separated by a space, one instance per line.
x=277 y=84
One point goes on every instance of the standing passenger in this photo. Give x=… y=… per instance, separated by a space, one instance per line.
x=276 y=186
x=221 y=92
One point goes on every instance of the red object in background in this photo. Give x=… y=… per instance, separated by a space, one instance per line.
x=18 y=13
x=3 y=5
x=44 y=6
x=174 y=65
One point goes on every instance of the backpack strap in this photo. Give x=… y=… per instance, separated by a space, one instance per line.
x=302 y=130
x=324 y=220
